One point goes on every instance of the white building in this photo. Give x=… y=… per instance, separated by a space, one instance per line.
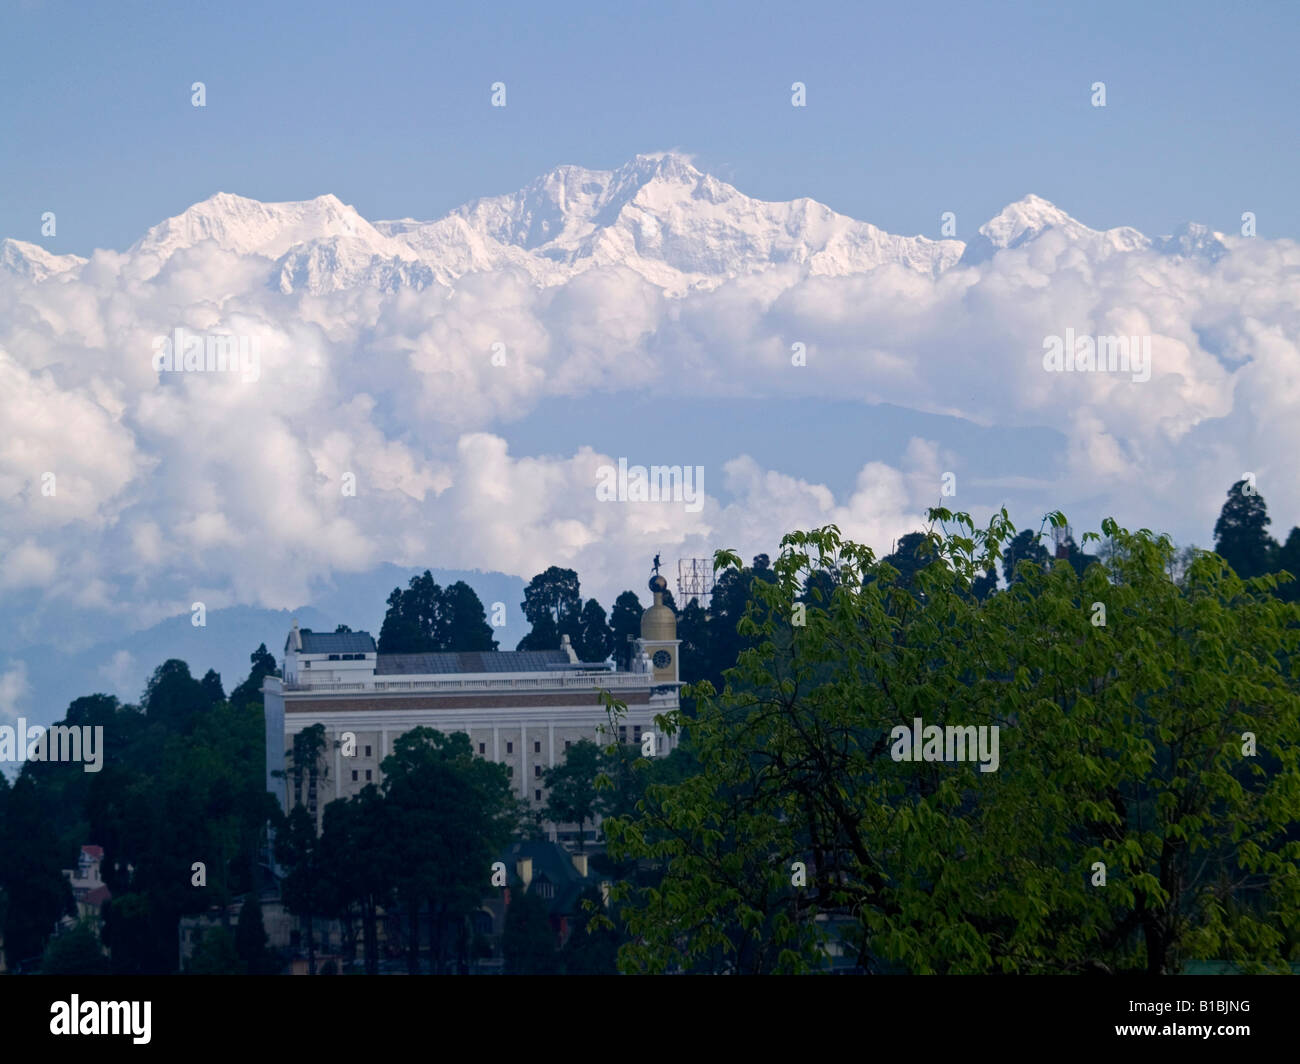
x=521 y=708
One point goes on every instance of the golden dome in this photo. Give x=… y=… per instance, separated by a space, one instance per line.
x=658 y=623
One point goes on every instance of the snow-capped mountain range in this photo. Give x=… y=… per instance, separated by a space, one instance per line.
x=679 y=228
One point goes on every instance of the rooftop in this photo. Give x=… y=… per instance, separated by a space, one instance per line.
x=471 y=661
x=334 y=642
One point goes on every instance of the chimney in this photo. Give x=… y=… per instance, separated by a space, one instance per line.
x=567 y=647
x=524 y=869
x=580 y=863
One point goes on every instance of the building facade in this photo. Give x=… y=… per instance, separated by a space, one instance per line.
x=520 y=708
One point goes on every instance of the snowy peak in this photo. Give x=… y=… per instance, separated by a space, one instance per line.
x=656 y=215
x=682 y=229
x=564 y=205
x=1029 y=218
x=33 y=262
x=1025 y=219
x=1194 y=240
x=250 y=227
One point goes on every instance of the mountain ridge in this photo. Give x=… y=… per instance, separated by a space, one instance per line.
x=678 y=227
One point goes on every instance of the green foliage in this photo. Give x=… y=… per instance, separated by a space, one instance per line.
x=173 y=697
x=360 y=864
x=625 y=624
x=595 y=640
x=450 y=812
x=1120 y=744
x=528 y=943
x=544 y=635
x=1287 y=560
x=592 y=947
x=251 y=940
x=75 y=952
x=303 y=888
x=426 y=618
x=1240 y=533
x=571 y=786
x=35 y=891
x=465 y=620
x=249 y=693
x=215 y=953
x=1025 y=547
x=553 y=606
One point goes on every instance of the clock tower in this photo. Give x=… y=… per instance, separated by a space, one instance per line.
x=659 y=640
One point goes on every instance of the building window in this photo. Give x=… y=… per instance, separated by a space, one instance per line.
x=368 y=748
x=510 y=748
x=537 y=771
x=537 y=746
x=367 y=775
x=306 y=664
x=537 y=795
x=354 y=775
x=334 y=657
x=622 y=733
x=636 y=733
x=482 y=748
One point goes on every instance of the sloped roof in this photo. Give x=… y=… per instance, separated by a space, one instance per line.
x=336 y=642
x=552 y=862
x=98 y=896
x=470 y=661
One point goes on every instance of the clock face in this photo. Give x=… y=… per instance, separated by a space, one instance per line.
x=662 y=659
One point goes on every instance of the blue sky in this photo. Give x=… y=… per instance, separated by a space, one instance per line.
x=913 y=109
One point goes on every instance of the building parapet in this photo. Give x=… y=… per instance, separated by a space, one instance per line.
x=609 y=681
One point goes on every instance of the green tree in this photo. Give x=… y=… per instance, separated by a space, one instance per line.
x=985 y=583
x=420 y=619
x=553 y=594
x=1025 y=547
x=595 y=640
x=909 y=557
x=696 y=654
x=36 y=893
x=215 y=954
x=625 y=624
x=360 y=863
x=592 y=947
x=465 y=620
x=451 y=813
x=544 y=635
x=75 y=952
x=571 y=787
x=302 y=888
x=1240 y=535
x=250 y=691
x=1126 y=746
x=1288 y=560
x=211 y=686
x=251 y=940
x=174 y=698
x=528 y=942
